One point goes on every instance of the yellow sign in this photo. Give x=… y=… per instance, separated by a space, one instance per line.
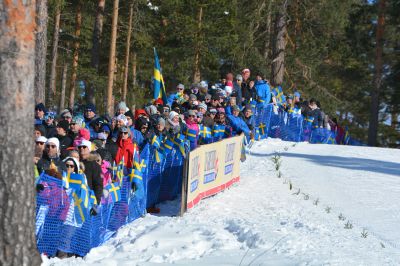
x=212 y=168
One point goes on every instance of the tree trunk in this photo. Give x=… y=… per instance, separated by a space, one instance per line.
x=373 y=121
x=54 y=54
x=40 y=50
x=63 y=87
x=97 y=34
x=267 y=42
x=196 y=71
x=127 y=51
x=279 y=44
x=134 y=71
x=111 y=62
x=78 y=23
x=17 y=81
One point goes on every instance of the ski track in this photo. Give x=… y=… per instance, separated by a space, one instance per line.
x=261 y=222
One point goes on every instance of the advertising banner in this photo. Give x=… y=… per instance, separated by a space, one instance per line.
x=212 y=168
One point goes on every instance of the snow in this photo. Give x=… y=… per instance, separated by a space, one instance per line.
x=261 y=221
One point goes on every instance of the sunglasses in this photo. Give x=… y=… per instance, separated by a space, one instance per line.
x=213 y=113
x=72 y=124
x=38 y=109
x=51 y=146
x=82 y=147
x=191 y=116
x=39 y=143
x=125 y=133
x=69 y=166
x=98 y=161
x=50 y=117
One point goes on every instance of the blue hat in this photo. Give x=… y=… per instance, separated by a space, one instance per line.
x=297 y=94
x=90 y=107
x=106 y=128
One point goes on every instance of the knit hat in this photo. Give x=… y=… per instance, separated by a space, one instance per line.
x=192 y=97
x=203 y=84
x=221 y=110
x=64 y=124
x=180 y=86
x=151 y=110
x=98 y=143
x=40 y=106
x=54 y=141
x=202 y=105
x=191 y=112
x=159 y=101
x=90 y=107
x=123 y=119
x=122 y=106
x=161 y=121
x=235 y=108
x=101 y=136
x=66 y=113
x=129 y=114
x=77 y=120
x=215 y=97
x=41 y=139
x=84 y=133
x=208 y=96
x=239 y=77
x=245 y=70
x=213 y=110
x=106 y=128
x=86 y=143
x=228 y=89
x=172 y=115
x=297 y=94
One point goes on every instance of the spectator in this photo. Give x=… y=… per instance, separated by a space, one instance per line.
x=65 y=140
x=126 y=148
x=51 y=154
x=49 y=125
x=40 y=110
x=92 y=170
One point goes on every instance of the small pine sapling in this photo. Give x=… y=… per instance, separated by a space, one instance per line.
x=316 y=202
x=348 y=225
x=328 y=209
x=341 y=217
x=364 y=233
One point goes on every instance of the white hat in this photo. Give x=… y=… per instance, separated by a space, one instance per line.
x=172 y=115
x=54 y=141
x=41 y=139
x=86 y=143
x=228 y=89
x=123 y=119
x=76 y=162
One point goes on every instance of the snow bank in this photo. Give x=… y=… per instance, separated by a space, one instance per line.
x=261 y=221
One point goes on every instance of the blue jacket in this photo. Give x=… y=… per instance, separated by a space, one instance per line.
x=238 y=125
x=263 y=91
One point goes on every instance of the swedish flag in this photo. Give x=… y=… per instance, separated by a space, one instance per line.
x=92 y=198
x=261 y=128
x=205 y=132
x=75 y=181
x=80 y=212
x=191 y=134
x=115 y=191
x=167 y=144
x=120 y=170
x=279 y=96
x=159 y=86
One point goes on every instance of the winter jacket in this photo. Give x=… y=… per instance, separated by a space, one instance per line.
x=112 y=147
x=238 y=125
x=126 y=150
x=65 y=142
x=263 y=91
x=51 y=131
x=250 y=122
x=193 y=126
x=44 y=163
x=93 y=177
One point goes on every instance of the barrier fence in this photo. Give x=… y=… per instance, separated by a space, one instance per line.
x=63 y=220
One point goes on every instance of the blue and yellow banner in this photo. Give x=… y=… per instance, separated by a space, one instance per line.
x=158 y=80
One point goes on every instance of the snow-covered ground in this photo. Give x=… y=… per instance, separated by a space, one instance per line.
x=343 y=208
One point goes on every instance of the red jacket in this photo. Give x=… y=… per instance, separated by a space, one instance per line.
x=126 y=149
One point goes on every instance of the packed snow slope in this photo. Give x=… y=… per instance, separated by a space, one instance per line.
x=329 y=205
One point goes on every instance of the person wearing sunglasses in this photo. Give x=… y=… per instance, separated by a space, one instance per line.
x=71 y=165
x=49 y=125
x=92 y=170
x=51 y=153
x=126 y=147
x=191 y=123
x=40 y=143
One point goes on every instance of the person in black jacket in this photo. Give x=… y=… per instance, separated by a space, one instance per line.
x=62 y=135
x=51 y=153
x=92 y=171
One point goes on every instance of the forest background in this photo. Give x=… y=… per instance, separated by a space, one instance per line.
x=344 y=53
